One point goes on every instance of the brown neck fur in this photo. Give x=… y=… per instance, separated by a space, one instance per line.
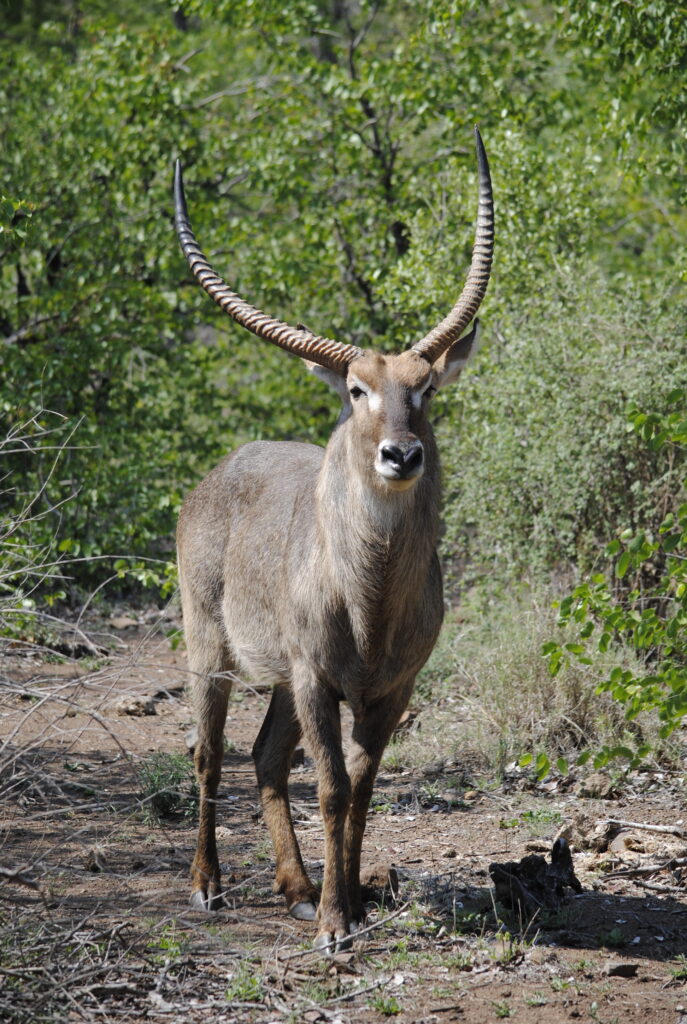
x=379 y=543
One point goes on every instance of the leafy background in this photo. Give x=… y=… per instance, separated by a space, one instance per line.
x=331 y=177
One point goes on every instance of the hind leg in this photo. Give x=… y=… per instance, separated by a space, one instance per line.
x=210 y=666
x=272 y=753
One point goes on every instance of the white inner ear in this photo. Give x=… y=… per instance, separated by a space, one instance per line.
x=457 y=357
x=332 y=378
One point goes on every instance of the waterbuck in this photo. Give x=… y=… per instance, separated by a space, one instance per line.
x=316 y=569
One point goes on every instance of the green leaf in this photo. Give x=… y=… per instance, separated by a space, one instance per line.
x=542 y=766
x=623 y=564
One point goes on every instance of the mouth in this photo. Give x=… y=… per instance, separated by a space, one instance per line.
x=394 y=479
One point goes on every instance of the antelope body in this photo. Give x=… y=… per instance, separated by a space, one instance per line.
x=316 y=570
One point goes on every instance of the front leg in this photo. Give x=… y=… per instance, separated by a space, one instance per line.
x=319 y=715
x=372 y=730
x=272 y=752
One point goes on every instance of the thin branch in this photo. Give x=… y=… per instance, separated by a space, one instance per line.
x=236 y=90
x=671 y=830
x=181 y=63
x=355 y=935
x=11 y=339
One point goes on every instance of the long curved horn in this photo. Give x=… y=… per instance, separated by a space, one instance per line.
x=333 y=354
x=450 y=328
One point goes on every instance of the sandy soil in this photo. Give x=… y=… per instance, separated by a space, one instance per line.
x=95 y=923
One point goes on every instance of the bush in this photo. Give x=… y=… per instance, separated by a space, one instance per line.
x=494 y=698
x=544 y=469
x=168 y=787
x=641 y=606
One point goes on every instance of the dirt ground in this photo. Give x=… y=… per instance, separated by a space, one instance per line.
x=95 y=922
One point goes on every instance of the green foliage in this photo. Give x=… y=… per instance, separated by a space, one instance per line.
x=544 y=468
x=613 y=939
x=642 y=604
x=167 y=944
x=388 y=1006
x=168 y=787
x=245 y=985
x=679 y=973
x=330 y=174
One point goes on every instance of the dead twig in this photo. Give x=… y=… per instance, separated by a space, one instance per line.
x=654 y=887
x=356 y=935
x=647 y=869
x=18 y=876
x=670 y=830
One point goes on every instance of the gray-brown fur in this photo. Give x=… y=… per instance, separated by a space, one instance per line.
x=316 y=570
x=307 y=568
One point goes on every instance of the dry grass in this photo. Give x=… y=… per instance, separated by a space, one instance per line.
x=487 y=697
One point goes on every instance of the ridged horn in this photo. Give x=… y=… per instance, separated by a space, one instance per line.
x=333 y=354
x=451 y=327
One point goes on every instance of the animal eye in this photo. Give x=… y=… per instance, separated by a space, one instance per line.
x=356 y=392
x=428 y=392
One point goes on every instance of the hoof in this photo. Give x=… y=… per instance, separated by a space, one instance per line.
x=303 y=911
x=329 y=943
x=207 y=902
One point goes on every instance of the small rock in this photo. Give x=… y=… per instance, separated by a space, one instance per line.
x=449 y=854
x=136 y=707
x=342 y=963
x=565 y=832
x=380 y=876
x=591 y=835
x=597 y=787
x=123 y=622
x=470 y=794
x=625 y=841
x=621 y=969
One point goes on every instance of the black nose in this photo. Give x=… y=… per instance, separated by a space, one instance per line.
x=405 y=457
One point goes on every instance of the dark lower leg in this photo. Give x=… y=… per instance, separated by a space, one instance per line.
x=318 y=712
x=371 y=733
x=272 y=754
x=210 y=696
x=205 y=872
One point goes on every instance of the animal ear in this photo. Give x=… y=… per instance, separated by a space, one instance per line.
x=331 y=377
x=449 y=366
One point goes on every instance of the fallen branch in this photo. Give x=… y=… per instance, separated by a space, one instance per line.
x=654 y=887
x=647 y=869
x=17 y=875
x=671 y=830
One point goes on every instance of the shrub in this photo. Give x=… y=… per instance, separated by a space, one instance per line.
x=168 y=787
x=543 y=469
x=648 y=615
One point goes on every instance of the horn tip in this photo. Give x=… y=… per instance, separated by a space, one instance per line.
x=179 y=197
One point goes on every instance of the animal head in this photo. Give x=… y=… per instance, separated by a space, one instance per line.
x=385 y=397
